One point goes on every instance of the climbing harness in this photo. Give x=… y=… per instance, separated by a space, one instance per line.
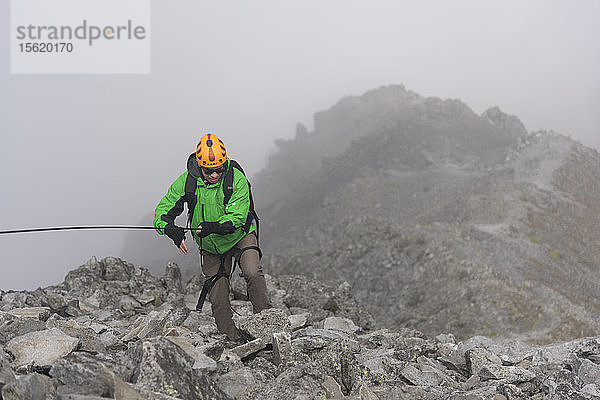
x=210 y=282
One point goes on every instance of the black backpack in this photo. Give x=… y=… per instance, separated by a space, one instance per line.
x=191 y=182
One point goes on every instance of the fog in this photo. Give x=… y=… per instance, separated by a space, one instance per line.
x=102 y=149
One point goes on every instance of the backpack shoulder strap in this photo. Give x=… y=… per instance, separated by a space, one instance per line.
x=228 y=181
x=228 y=191
x=191 y=182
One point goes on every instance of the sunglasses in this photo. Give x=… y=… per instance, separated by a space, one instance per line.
x=210 y=171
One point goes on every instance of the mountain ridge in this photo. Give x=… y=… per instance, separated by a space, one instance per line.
x=438 y=203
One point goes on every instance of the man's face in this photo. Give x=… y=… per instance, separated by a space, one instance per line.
x=212 y=175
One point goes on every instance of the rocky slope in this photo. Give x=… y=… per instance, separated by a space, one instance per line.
x=111 y=330
x=439 y=218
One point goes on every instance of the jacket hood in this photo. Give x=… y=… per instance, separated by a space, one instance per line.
x=192 y=167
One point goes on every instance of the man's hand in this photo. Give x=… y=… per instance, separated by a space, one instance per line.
x=183 y=247
x=177 y=235
x=206 y=228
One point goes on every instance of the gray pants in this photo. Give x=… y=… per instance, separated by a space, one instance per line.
x=253 y=274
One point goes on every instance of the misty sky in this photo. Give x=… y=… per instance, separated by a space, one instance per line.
x=103 y=149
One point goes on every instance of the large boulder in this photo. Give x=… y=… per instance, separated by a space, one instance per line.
x=41 y=347
x=29 y=387
x=114 y=284
x=12 y=326
x=264 y=324
x=163 y=367
x=83 y=374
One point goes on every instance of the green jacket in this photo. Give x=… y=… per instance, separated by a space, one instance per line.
x=209 y=208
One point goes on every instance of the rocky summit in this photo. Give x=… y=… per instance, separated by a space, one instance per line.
x=439 y=218
x=112 y=330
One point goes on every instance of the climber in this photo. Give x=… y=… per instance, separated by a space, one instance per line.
x=223 y=223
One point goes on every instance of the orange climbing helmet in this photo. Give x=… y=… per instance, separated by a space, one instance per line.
x=210 y=152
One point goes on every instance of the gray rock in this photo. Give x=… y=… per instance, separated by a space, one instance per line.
x=201 y=361
x=484 y=393
x=249 y=348
x=144 y=298
x=380 y=338
x=42 y=347
x=588 y=347
x=89 y=340
x=471 y=383
x=235 y=383
x=365 y=393
x=426 y=374
x=282 y=348
x=6 y=375
x=512 y=392
x=298 y=321
x=116 y=270
x=478 y=357
x=200 y=322
x=101 y=284
x=457 y=358
x=420 y=377
x=323 y=333
x=29 y=387
x=179 y=312
x=308 y=344
x=446 y=338
x=12 y=326
x=377 y=360
x=587 y=371
x=36 y=313
x=555 y=353
x=163 y=367
x=54 y=302
x=128 y=303
x=411 y=348
x=16 y=300
x=4 y=358
x=229 y=361
x=90 y=323
x=562 y=384
x=147 y=325
x=340 y=324
x=173 y=278
x=333 y=389
x=275 y=292
x=591 y=390
x=264 y=324
x=84 y=375
x=243 y=308
x=298 y=382
x=506 y=373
